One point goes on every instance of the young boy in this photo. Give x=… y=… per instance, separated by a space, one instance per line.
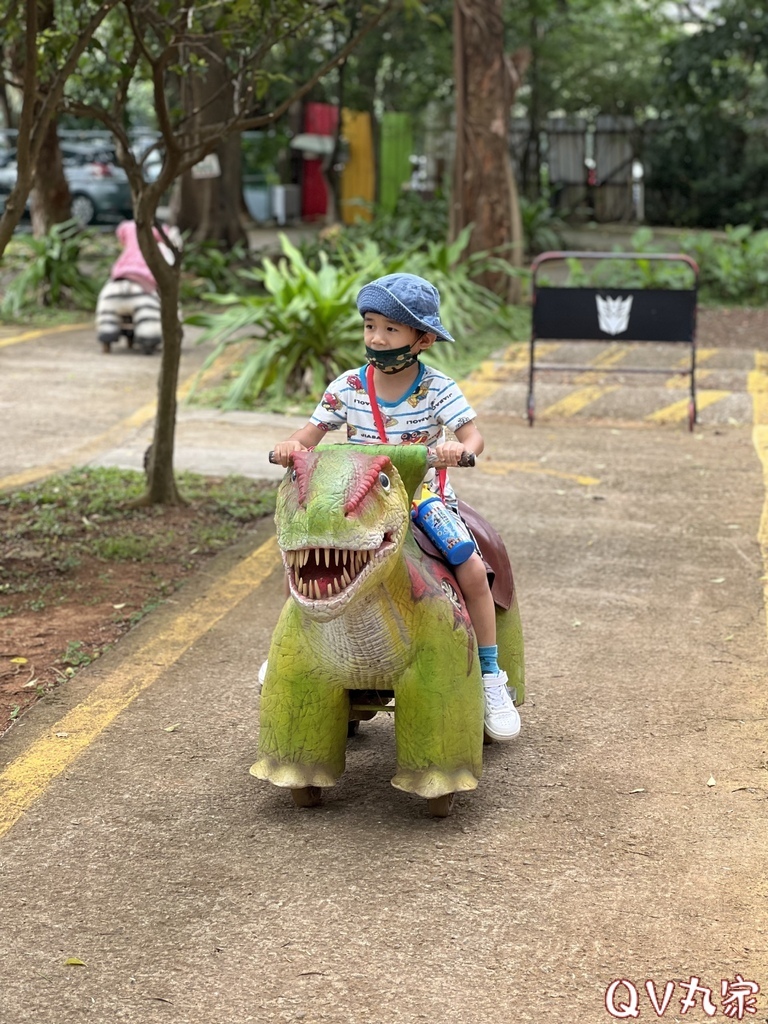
x=401 y=320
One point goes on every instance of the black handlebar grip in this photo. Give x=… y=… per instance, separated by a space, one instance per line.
x=273 y=460
x=467 y=459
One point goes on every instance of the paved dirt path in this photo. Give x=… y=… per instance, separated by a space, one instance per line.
x=623 y=836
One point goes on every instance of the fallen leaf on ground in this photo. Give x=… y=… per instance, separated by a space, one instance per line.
x=74 y=962
x=711 y=781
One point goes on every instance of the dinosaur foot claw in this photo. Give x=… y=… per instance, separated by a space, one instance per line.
x=292 y=775
x=433 y=782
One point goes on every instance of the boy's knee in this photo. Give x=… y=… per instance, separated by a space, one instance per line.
x=472 y=572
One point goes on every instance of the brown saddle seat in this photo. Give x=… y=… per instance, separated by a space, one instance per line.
x=493 y=552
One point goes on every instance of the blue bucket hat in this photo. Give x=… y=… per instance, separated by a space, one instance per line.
x=406 y=299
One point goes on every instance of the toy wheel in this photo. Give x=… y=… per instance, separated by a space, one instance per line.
x=441 y=806
x=307 y=796
x=487 y=739
x=352 y=728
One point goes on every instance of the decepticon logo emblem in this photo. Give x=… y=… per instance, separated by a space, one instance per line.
x=613 y=314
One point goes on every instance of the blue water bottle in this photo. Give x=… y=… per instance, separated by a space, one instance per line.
x=445 y=530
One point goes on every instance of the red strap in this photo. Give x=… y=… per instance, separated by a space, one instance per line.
x=442 y=474
x=377 y=417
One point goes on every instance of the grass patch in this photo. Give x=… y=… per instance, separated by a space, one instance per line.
x=66 y=528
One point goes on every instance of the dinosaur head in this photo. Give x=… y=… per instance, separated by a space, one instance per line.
x=342 y=516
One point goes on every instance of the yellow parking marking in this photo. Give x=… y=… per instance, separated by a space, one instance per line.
x=490 y=375
x=116 y=433
x=757 y=386
x=703 y=355
x=26 y=779
x=579 y=400
x=502 y=468
x=606 y=360
x=676 y=383
x=16 y=339
x=678 y=411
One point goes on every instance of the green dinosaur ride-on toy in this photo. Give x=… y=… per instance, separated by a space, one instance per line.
x=372 y=616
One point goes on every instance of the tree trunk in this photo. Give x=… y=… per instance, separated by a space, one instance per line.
x=161 y=481
x=484 y=190
x=211 y=208
x=50 y=198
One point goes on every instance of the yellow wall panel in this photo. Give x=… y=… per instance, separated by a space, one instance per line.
x=358 y=179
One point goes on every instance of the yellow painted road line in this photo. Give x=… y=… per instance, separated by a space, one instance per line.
x=502 y=468
x=490 y=375
x=757 y=385
x=110 y=438
x=678 y=411
x=16 y=339
x=676 y=382
x=26 y=779
x=606 y=360
x=703 y=355
x=579 y=400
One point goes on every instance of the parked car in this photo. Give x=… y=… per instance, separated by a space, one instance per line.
x=97 y=184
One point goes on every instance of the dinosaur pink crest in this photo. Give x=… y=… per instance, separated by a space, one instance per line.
x=366 y=474
x=303 y=463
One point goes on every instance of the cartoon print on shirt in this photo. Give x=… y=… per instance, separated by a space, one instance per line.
x=332 y=402
x=355 y=384
x=421 y=392
x=414 y=437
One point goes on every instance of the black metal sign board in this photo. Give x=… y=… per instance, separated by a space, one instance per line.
x=623 y=314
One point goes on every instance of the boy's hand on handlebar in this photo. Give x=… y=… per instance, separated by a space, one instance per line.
x=283 y=450
x=450 y=454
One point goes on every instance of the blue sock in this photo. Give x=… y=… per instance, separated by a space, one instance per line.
x=488 y=662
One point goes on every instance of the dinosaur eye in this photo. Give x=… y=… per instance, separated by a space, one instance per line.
x=293 y=476
x=384 y=481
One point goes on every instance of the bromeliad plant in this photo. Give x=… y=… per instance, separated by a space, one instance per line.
x=50 y=272
x=302 y=326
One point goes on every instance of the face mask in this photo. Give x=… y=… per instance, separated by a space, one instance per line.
x=391 y=360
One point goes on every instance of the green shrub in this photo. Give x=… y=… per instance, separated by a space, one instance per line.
x=303 y=326
x=733 y=267
x=50 y=273
x=206 y=264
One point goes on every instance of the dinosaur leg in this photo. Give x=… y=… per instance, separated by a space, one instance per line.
x=438 y=730
x=303 y=729
x=509 y=636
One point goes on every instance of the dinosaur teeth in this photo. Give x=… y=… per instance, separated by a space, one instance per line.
x=327 y=555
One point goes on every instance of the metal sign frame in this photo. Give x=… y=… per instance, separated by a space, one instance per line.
x=613 y=314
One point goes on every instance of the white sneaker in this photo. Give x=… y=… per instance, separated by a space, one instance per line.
x=262 y=676
x=502 y=720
